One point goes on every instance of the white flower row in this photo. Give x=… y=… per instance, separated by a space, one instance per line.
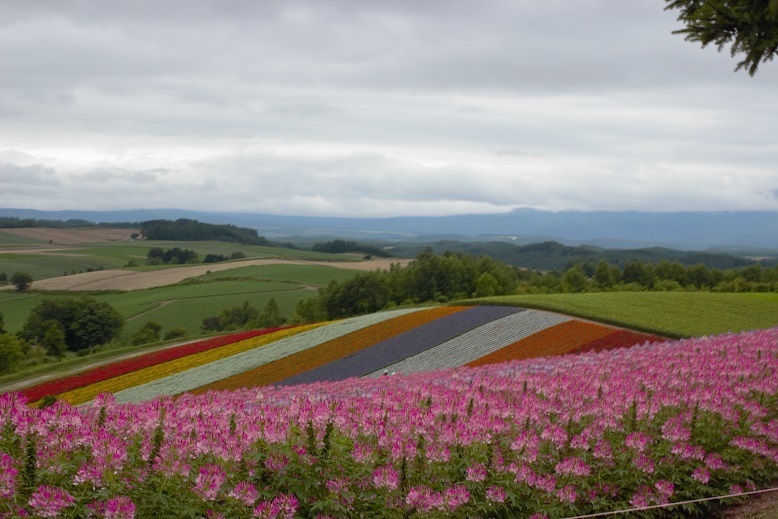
x=193 y=378
x=477 y=343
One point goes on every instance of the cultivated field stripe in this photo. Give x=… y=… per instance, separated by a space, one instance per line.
x=478 y=342
x=556 y=340
x=404 y=345
x=190 y=379
x=115 y=369
x=329 y=351
x=164 y=369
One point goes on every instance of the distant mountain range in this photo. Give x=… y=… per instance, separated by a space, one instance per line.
x=751 y=230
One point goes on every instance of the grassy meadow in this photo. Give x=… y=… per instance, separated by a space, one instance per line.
x=672 y=314
x=187 y=303
x=73 y=259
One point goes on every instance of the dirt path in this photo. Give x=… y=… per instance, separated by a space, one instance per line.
x=157 y=307
x=117 y=279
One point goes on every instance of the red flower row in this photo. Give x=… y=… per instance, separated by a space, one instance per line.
x=619 y=339
x=115 y=369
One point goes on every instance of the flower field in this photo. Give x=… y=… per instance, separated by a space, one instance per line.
x=559 y=339
x=137 y=370
x=401 y=341
x=554 y=437
x=328 y=351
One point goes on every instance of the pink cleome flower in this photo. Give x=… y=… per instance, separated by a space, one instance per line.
x=476 y=473
x=638 y=441
x=7 y=476
x=209 y=481
x=701 y=474
x=574 y=466
x=245 y=492
x=567 y=494
x=664 y=487
x=47 y=501
x=386 y=477
x=496 y=494
x=283 y=506
x=120 y=507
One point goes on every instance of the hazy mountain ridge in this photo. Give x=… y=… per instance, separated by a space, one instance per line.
x=679 y=230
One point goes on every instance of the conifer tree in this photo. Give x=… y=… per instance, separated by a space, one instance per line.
x=749 y=26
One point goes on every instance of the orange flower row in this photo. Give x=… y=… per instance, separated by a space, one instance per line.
x=556 y=340
x=329 y=351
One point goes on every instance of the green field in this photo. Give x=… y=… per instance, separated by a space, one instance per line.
x=186 y=304
x=112 y=255
x=673 y=314
x=12 y=240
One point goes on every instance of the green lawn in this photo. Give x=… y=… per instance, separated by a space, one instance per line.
x=673 y=314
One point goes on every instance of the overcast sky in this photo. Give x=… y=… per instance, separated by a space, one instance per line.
x=376 y=108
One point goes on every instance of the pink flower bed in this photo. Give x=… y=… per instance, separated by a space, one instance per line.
x=580 y=434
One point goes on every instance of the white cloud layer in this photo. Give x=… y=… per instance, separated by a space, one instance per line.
x=377 y=108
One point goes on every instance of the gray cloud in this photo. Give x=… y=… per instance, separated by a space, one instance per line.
x=384 y=107
x=41 y=177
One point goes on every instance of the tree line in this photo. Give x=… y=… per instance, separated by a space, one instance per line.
x=179 y=256
x=343 y=246
x=10 y=222
x=551 y=255
x=185 y=229
x=456 y=275
x=430 y=277
x=664 y=275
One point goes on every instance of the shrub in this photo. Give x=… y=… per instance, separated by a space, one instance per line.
x=176 y=333
x=21 y=280
x=149 y=332
x=11 y=353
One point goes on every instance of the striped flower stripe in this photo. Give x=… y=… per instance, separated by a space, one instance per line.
x=555 y=340
x=412 y=342
x=190 y=379
x=164 y=369
x=329 y=351
x=476 y=343
x=619 y=339
x=114 y=369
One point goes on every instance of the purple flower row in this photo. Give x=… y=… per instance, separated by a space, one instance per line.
x=408 y=344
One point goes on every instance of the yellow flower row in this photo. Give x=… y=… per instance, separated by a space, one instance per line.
x=164 y=369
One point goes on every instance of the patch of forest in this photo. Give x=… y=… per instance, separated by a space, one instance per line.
x=185 y=229
x=551 y=255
